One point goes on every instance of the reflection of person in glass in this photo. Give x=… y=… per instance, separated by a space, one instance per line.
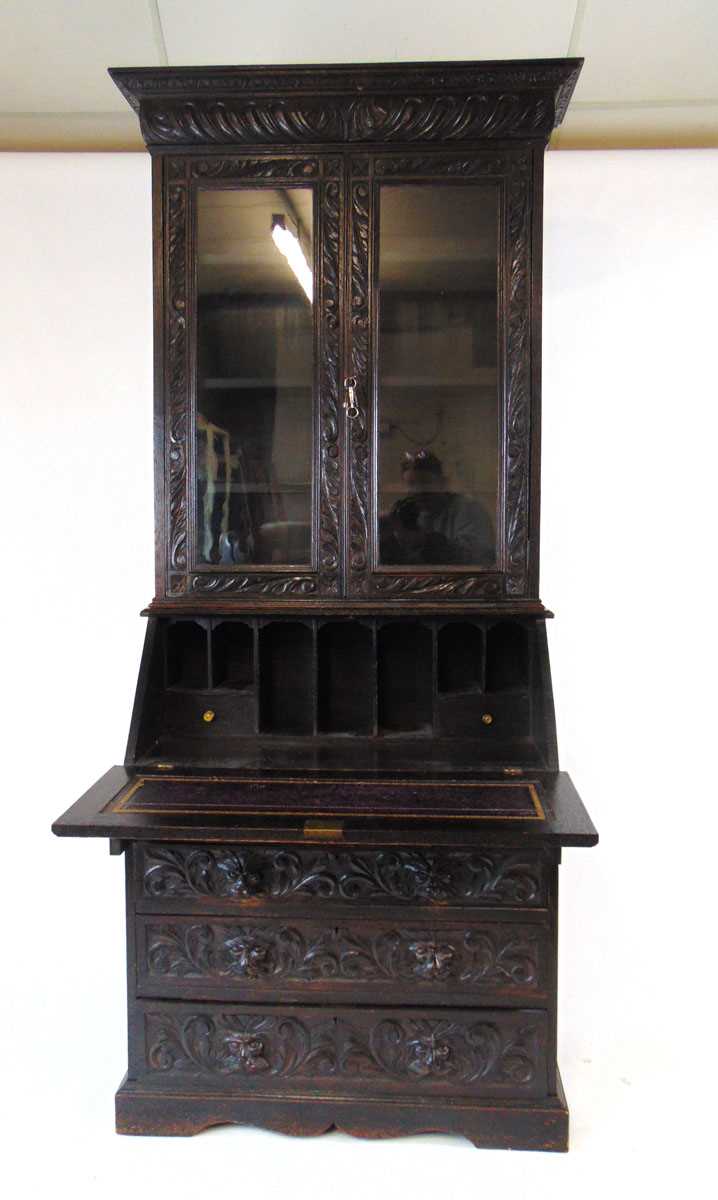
x=432 y=524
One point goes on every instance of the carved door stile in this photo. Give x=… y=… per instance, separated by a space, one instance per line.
x=360 y=436
x=184 y=574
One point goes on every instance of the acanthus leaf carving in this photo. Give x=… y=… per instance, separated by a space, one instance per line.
x=486 y=958
x=358 y=467
x=177 y=350
x=238 y=873
x=433 y=1052
x=330 y=488
x=255 y=584
x=268 y=120
x=254 y=168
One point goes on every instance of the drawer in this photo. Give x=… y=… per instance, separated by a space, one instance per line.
x=185 y=713
x=345 y=1051
x=235 y=877
x=462 y=715
x=508 y=962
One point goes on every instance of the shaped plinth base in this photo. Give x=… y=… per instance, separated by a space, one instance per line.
x=533 y=1125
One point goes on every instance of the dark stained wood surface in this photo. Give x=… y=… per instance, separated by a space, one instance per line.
x=342 y=836
x=566 y=821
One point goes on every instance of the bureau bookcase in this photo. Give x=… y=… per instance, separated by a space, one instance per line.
x=341 y=809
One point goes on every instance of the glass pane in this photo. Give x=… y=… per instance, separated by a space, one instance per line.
x=437 y=375
x=254 y=376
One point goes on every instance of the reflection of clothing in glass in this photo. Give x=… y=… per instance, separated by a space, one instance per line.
x=437 y=527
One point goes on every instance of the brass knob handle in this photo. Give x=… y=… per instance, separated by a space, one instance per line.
x=208 y=715
x=487 y=719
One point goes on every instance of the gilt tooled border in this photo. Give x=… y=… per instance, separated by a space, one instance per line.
x=122 y=802
x=181 y=579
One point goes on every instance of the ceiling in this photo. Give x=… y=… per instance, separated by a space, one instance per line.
x=650 y=78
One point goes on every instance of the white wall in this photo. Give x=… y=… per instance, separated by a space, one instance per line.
x=628 y=546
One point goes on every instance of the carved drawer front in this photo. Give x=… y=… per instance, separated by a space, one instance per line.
x=422 y=1052
x=181 y=876
x=243 y=959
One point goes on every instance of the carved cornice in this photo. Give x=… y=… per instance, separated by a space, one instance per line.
x=348 y=103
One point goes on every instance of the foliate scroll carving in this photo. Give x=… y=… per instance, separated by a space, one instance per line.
x=402 y=876
x=503 y=959
x=256 y=584
x=433 y=1052
x=254 y=168
x=333 y=167
x=437 y=585
x=518 y=380
x=177 y=380
x=330 y=488
x=358 y=466
x=266 y=120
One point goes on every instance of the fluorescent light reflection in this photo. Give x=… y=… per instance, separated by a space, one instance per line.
x=290 y=247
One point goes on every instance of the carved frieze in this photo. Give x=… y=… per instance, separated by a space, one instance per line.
x=282 y=120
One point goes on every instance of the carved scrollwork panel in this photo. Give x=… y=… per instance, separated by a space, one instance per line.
x=254 y=168
x=359 y=451
x=449 y=1053
x=490 y=958
x=177 y=377
x=234 y=873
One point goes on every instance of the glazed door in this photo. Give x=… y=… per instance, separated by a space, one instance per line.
x=252 y=493
x=438 y=396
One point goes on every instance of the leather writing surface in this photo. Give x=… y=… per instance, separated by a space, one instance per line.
x=171 y=794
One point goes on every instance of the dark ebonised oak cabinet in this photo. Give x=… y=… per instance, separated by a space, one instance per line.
x=341 y=808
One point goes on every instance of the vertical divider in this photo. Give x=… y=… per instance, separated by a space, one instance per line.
x=211 y=673
x=165 y=654
x=314 y=689
x=375 y=679
x=255 y=670
x=481 y=626
x=434 y=676
x=208 y=642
